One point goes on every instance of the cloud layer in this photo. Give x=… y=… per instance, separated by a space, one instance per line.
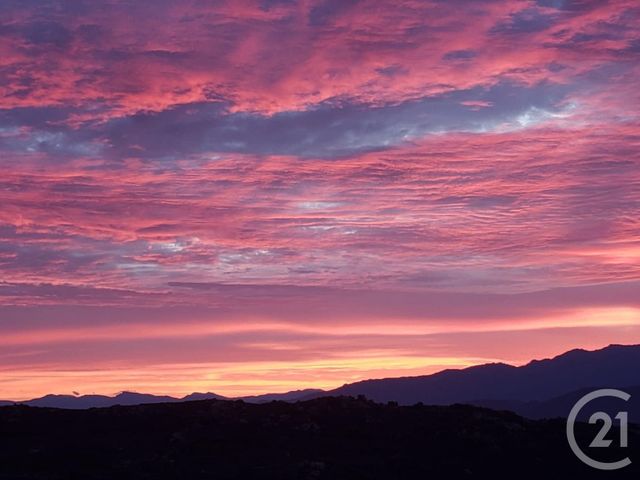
x=255 y=195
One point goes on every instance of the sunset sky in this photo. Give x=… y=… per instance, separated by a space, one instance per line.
x=250 y=196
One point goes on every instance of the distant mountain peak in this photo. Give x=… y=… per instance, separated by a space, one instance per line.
x=202 y=396
x=538 y=380
x=535 y=381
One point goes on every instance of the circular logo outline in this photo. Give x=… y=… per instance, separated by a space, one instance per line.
x=571 y=420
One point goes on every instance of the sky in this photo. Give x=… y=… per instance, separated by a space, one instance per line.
x=252 y=196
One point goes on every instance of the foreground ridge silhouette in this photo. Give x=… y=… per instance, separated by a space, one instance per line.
x=326 y=438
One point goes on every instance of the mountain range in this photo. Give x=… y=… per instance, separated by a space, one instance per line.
x=81 y=402
x=539 y=389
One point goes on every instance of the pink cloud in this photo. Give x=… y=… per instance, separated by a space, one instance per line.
x=281 y=191
x=366 y=52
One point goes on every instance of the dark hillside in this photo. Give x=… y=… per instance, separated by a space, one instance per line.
x=327 y=438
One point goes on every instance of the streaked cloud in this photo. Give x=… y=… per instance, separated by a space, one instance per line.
x=244 y=195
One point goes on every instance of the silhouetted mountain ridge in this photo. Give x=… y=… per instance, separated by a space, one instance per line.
x=134 y=398
x=523 y=389
x=292 y=396
x=561 y=406
x=201 y=396
x=92 y=401
x=612 y=366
